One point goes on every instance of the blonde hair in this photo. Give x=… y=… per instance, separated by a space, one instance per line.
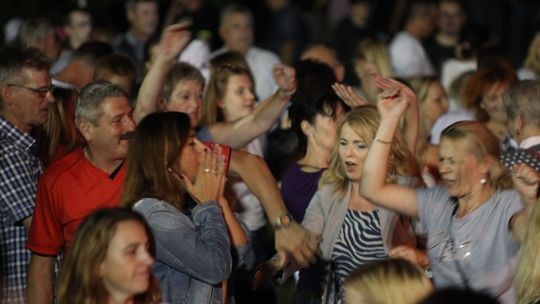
x=482 y=143
x=528 y=273
x=375 y=52
x=420 y=86
x=364 y=121
x=532 y=61
x=392 y=281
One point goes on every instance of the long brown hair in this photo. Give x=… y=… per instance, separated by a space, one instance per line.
x=222 y=68
x=80 y=282
x=153 y=149
x=364 y=121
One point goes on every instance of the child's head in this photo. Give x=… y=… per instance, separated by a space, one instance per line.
x=230 y=94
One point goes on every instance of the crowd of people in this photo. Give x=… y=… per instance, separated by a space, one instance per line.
x=159 y=167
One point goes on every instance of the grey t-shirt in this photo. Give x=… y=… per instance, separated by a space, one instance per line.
x=478 y=246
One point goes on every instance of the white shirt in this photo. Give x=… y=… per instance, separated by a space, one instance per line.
x=251 y=213
x=529 y=142
x=197 y=53
x=409 y=59
x=260 y=63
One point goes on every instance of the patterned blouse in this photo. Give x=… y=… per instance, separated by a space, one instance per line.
x=359 y=242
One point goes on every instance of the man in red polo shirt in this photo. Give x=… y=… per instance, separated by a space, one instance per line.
x=87 y=179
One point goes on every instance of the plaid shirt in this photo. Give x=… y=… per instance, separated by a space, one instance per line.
x=19 y=173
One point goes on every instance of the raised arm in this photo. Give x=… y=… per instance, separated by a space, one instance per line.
x=411 y=126
x=238 y=133
x=392 y=104
x=526 y=182
x=173 y=40
x=292 y=241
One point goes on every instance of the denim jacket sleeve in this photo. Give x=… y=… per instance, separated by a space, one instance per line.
x=200 y=248
x=244 y=254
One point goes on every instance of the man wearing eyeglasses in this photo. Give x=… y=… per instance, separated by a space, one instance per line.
x=25 y=97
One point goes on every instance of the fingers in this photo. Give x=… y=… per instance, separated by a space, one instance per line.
x=300 y=258
x=404 y=252
x=290 y=73
x=203 y=162
x=213 y=161
x=348 y=95
x=285 y=77
x=391 y=92
x=398 y=250
x=383 y=83
x=338 y=89
x=180 y=26
x=525 y=173
x=304 y=254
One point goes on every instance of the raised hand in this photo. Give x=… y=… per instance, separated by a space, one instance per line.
x=285 y=77
x=348 y=95
x=173 y=40
x=526 y=181
x=391 y=104
x=406 y=92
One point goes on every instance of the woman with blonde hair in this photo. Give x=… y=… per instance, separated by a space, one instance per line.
x=109 y=261
x=392 y=281
x=355 y=232
x=432 y=104
x=528 y=273
x=371 y=61
x=531 y=65
x=474 y=221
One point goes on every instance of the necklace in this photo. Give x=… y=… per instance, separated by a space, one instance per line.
x=470 y=210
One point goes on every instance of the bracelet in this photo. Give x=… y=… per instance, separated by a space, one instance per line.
x=384 y=141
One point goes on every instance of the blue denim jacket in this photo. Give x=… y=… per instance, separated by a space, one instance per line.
x=193 y=256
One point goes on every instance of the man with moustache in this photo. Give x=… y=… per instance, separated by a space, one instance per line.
x=25 y=97
x=87 y=179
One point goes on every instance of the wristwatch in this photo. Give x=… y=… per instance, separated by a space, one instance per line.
x=283 y=221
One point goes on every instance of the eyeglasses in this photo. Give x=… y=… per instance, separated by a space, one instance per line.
x=42 y=92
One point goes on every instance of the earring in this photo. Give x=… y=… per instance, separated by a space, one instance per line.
x=483 y=180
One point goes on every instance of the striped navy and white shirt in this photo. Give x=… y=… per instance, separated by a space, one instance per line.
x=359 y=241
